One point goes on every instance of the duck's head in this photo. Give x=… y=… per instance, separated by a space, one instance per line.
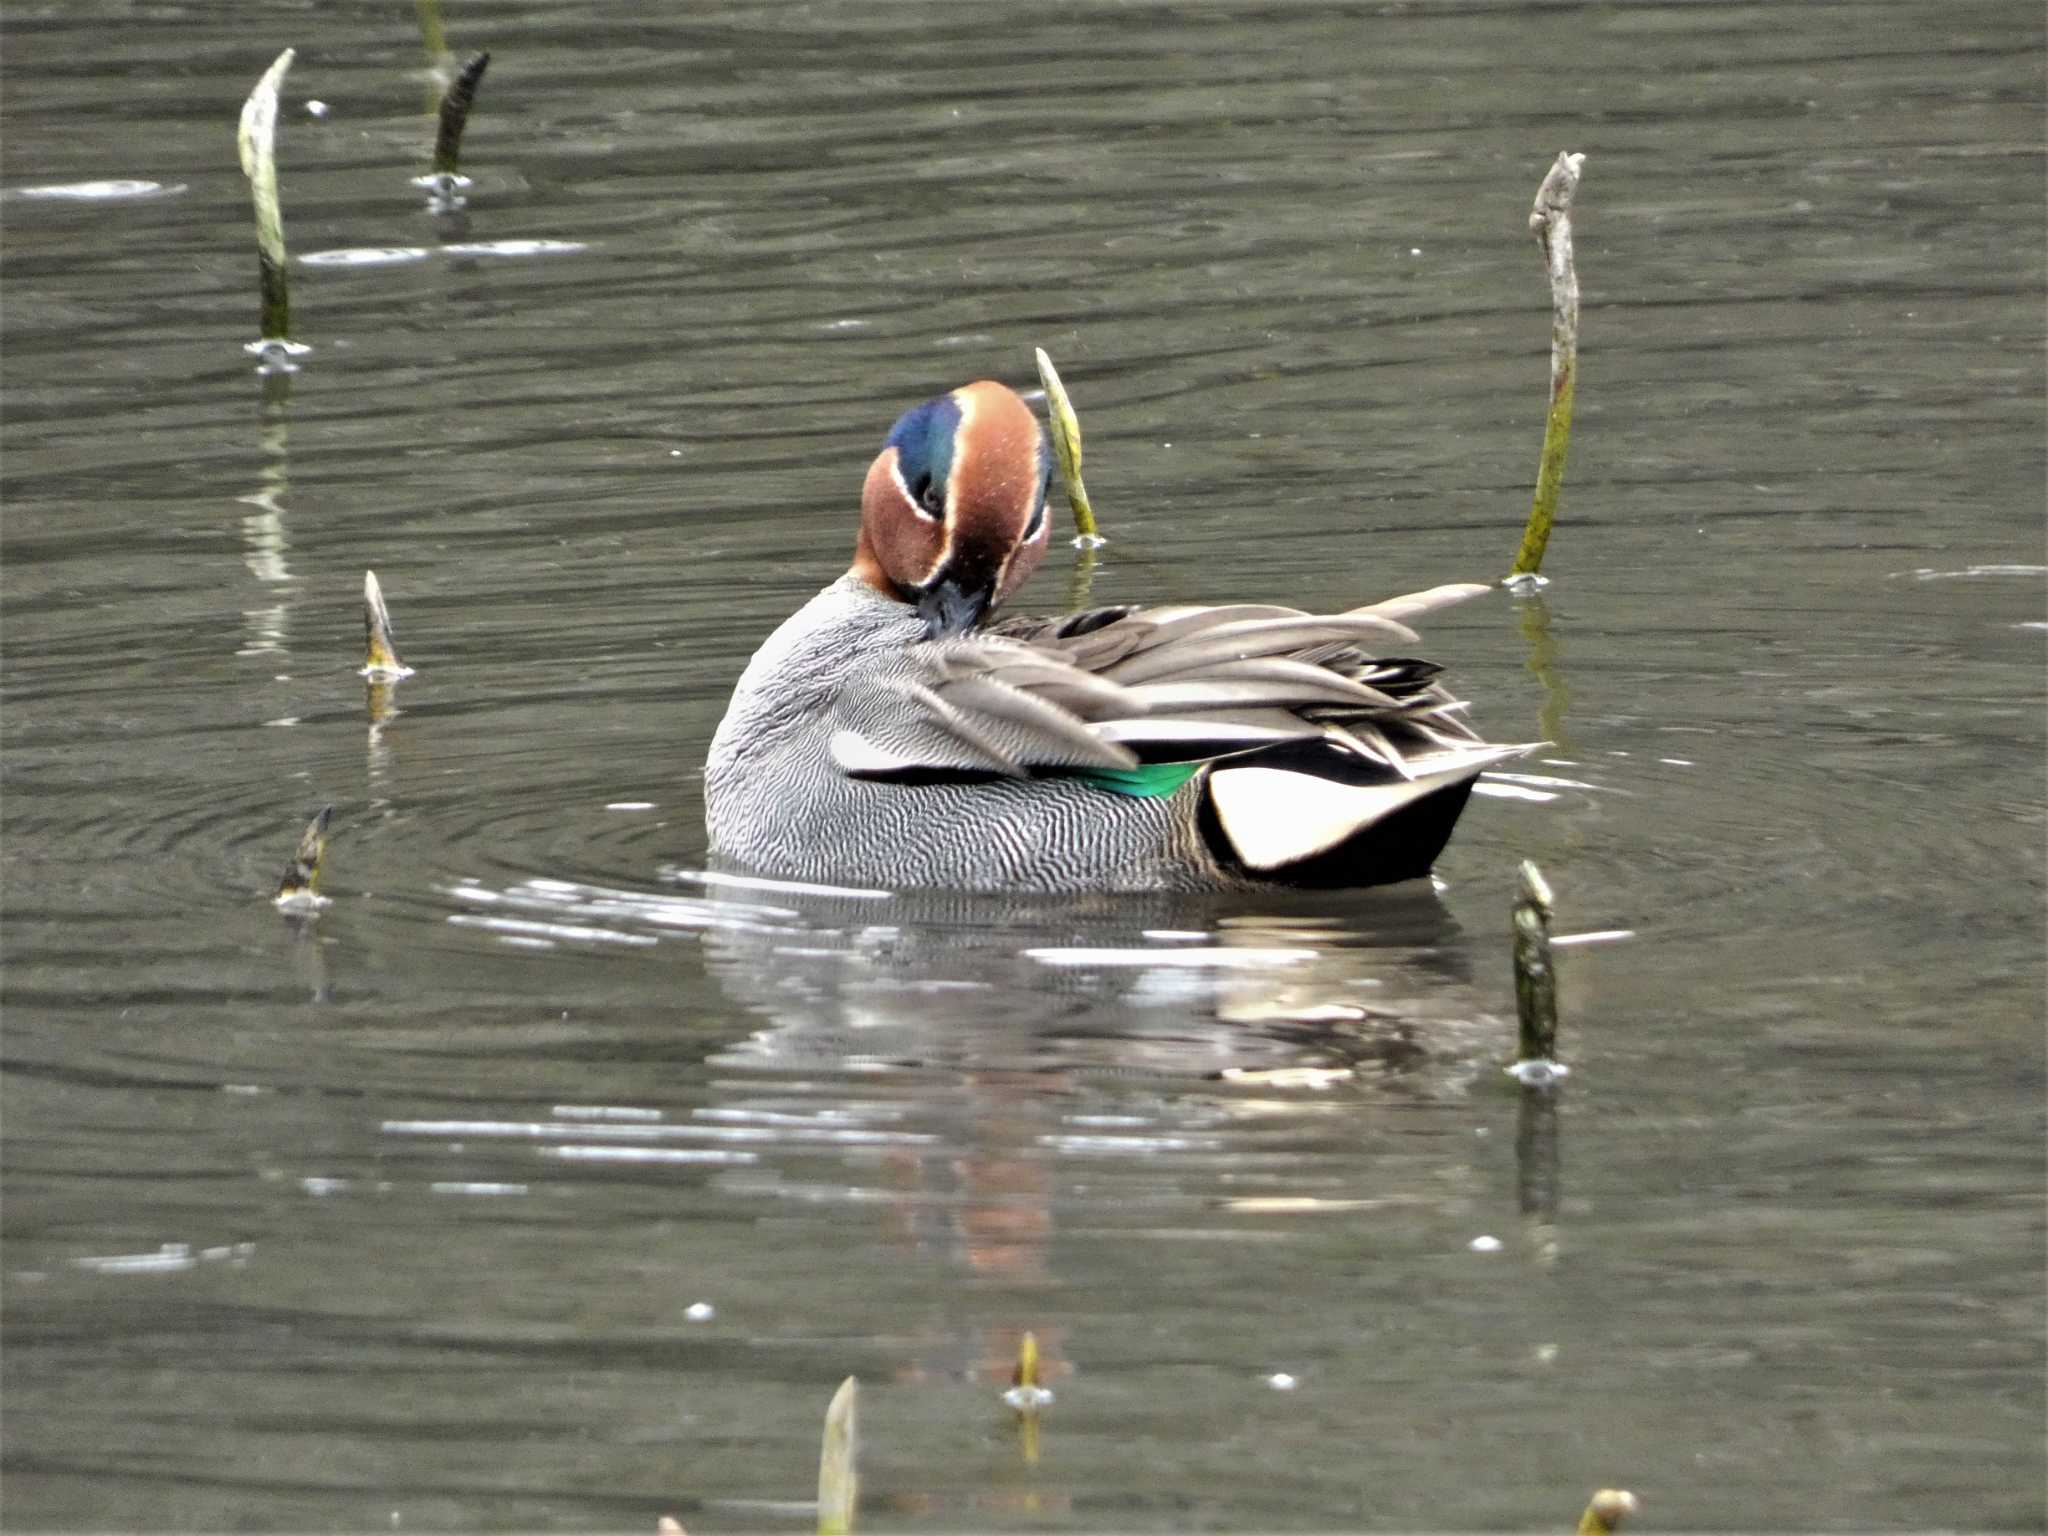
x=952 y=518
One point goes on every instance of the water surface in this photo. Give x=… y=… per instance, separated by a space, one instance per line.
x=395 y=1219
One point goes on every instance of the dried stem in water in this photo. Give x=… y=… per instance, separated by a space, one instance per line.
x=1609 y=1507
x=1026 y=1396
x=1026 y=1372
x=455 y=104
x=1535 y=973
x=1550 y=221
x=838 y=1482
x=381 y=661
x=1066 y=443
x=302 y=875
x=256 y=141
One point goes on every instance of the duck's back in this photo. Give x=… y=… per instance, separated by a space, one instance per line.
x=778 y=802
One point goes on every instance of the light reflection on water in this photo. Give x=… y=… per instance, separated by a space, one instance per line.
x=414 y=1208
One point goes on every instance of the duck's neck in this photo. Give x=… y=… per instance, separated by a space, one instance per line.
x=867 y=567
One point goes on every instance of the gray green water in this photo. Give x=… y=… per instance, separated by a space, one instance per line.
x=1782 y=1264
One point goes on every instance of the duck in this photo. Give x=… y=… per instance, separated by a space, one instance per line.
x=898 y=732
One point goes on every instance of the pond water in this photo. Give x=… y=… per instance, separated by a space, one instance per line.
x=396 y=1219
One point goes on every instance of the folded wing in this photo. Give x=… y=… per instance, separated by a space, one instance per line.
x=1122 y=696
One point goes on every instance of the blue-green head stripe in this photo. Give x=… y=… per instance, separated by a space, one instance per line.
x=923 y=439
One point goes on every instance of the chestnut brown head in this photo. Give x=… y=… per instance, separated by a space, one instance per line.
x=953 y=516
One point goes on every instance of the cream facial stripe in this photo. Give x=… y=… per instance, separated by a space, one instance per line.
x=902 y=485
x=964 y=399
x=895 y=462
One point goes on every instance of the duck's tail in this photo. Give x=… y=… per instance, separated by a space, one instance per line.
x=1311 y=813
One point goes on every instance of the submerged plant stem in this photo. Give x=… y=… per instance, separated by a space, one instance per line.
x=1550 y=221
x=1533 y=615
x=1538 y=1159
x=1081 y=580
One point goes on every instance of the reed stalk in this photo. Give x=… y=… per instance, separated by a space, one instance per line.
x=1608 y=1508
x=256 y=142
x=838 y=1481
x=380 y=662
x=300 y=885
x=1535 y=970
x=1027 y=1396
x=1066 y=443
x=1550 y=222
x=455 y=104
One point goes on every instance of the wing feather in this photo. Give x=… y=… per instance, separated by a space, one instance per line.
x=1116 y=688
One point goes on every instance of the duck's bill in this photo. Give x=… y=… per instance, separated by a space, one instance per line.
x=948 y=608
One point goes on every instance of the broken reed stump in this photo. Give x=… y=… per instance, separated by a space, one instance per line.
x=1536 y=1066
x=1608 y=1508
x=1026 y=1396
x=298 y=889
x=256 y=144
x=838 y=1478
x=1535 y=969
x=380 y=658
x=455 y=104
x=381 y=671
x=1066 y=443
x=1550 y=221
x=445 y=181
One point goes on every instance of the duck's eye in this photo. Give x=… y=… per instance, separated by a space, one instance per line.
x=930 y=497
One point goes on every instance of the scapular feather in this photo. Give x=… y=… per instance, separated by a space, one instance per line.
x=1137 y=701
x=1236 y=641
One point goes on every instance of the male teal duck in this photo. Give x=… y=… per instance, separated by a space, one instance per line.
x=889 y=734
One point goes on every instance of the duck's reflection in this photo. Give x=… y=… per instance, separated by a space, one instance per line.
x=1032 y=1037
x=1008 y=993
x=1026 y=1100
